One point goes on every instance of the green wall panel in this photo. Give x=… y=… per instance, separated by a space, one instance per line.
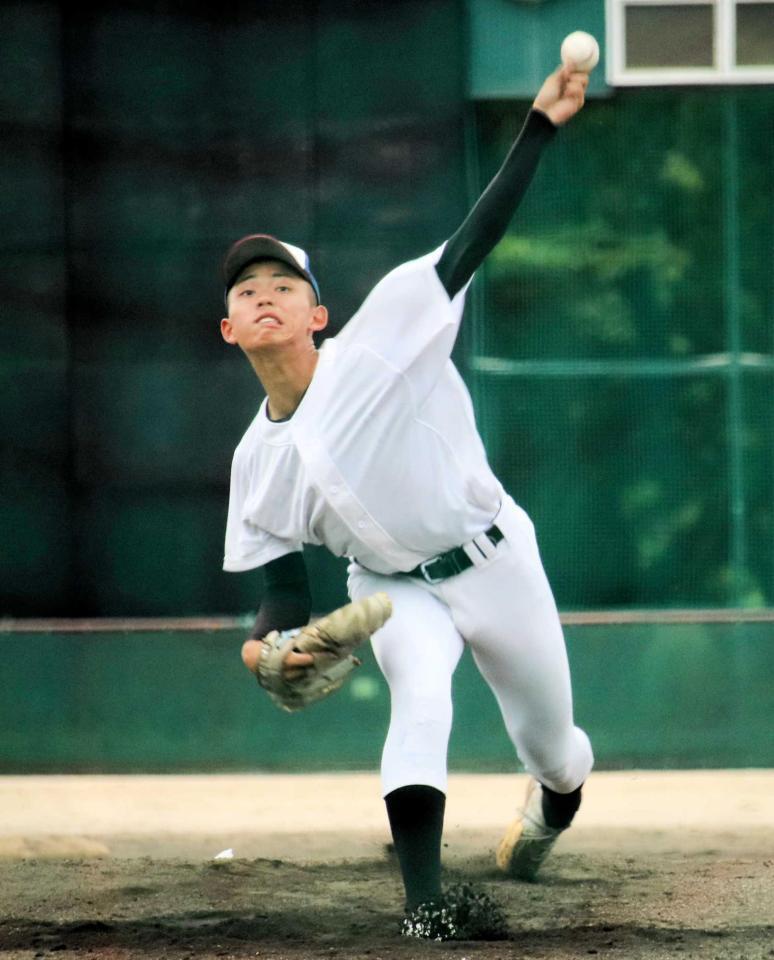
x=30 y=118
x=141 y=425
x=659 y=696
x=35 y=546
x=165 y=136
x=389 y=122
x=758 y=450
x=33 y=329
x=138 y=548
x=35 y=539
x=514 y=44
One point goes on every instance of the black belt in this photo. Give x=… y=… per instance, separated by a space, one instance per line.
x=452 y=562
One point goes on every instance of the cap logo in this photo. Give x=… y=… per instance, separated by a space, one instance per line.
x=297 y=254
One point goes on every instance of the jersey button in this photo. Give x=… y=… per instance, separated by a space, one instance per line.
x=362 y=524
x=335 y=488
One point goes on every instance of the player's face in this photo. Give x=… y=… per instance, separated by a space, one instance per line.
x=271 y=306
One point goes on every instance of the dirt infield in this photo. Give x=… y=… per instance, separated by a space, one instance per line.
x=657 y=865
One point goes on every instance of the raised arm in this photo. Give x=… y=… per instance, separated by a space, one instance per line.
x=559 y=99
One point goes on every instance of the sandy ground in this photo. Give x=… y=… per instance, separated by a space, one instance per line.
x=677 y=864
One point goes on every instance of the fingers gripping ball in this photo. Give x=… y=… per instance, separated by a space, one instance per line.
x=330 y=642
x=580 y=51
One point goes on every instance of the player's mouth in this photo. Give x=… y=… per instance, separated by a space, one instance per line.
x=268 y=320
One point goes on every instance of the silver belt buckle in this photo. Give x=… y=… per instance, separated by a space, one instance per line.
x=427 y=577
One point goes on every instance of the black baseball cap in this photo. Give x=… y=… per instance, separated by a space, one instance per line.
x=261 y=246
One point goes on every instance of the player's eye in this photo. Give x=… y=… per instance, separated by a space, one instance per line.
x=247 y=293
x=283 y=288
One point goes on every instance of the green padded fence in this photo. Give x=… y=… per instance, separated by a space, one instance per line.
x=654 y=690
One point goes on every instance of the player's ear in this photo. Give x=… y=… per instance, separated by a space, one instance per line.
x=319 y=319
x=227 y=330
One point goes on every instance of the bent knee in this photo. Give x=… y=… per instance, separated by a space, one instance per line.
x=562 y=766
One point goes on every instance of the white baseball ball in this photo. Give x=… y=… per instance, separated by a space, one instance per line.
x=580 y=50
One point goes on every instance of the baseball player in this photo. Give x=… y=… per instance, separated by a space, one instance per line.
x=369 y=446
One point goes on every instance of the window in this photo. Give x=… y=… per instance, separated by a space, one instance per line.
x=664 y=42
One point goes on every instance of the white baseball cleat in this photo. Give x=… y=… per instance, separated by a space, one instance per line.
x=528 y=839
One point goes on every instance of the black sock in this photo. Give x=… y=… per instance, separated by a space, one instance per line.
x=560 y=808
x=416 y=820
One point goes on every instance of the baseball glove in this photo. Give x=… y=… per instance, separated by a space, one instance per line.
x=330 y=641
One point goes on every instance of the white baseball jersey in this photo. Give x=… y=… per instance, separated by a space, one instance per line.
x=381 y=460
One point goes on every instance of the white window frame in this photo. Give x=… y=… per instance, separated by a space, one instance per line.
x=724 y=70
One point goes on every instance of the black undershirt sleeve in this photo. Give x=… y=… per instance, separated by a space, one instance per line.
x=487 y=222
x=287 y=599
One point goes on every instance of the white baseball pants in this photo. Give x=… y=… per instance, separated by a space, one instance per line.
x=504 y=610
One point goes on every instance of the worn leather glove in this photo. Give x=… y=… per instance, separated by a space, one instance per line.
x=330 y=642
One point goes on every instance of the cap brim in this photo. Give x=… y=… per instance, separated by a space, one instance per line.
x=251 y=249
